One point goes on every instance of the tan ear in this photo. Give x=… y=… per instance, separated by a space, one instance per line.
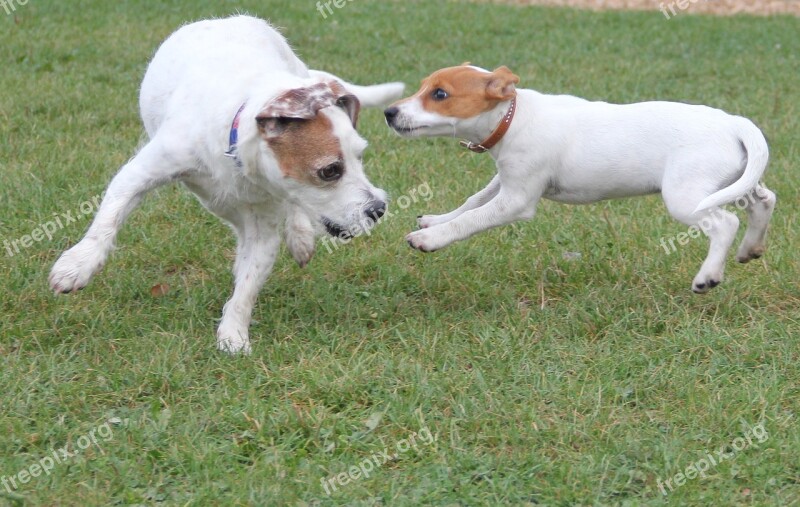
x=294 y=105
x=347 y=101
x=501 y=85
x=465 y=64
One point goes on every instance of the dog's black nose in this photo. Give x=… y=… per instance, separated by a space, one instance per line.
x=375 y=210
x=391 y=113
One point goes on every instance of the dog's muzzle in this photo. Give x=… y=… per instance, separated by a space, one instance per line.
x=373 y=212
x=399 y=123
x=335 y=230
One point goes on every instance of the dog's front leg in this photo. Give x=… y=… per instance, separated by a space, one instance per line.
x=509 y=205
x=476 y=201
x=258 y=246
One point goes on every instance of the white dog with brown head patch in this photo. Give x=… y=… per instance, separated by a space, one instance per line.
x=571 y=150
x=266 y=144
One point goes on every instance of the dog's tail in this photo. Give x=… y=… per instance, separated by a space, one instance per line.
x=370 y=96
x=757 y=151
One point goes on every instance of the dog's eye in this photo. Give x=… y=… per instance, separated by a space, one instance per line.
x=439 y=94
x=332 y=172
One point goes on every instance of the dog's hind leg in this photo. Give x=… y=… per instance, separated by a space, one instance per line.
x=258 y=242
x=476 y=201
x=150 y=168
x=760 y=205
x=719 y=225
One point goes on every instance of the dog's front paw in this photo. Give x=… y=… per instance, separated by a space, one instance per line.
x=73 y=270
x=426 y=221
x=704 y=283
x=300 y=237
x=233 y=341
x=424 y=241
x=301 y=246
x=302 y=252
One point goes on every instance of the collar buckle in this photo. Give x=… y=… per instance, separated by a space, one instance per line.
x=497 y=135
x=477 y=148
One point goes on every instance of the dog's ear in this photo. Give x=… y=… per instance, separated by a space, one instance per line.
x=271 y=127
x=293 y=105
x=285 y=109
x=347 y=101
x=351 y=106
x=303 y=104
x=501 y=85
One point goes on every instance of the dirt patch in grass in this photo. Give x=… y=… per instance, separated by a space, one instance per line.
x=678 y=7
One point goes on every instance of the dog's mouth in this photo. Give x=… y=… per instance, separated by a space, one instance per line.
x=408 y=131
x=335 y=230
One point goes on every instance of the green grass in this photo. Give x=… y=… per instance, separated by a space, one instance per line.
x=545 y=381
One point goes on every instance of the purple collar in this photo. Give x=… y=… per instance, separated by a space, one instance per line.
x=233 y=138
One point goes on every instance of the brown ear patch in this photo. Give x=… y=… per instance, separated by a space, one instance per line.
x=470 y=91
x=304 y=146
x=503 y=84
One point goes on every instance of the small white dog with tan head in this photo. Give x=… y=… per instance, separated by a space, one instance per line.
x=266 y=144
x=574 y=151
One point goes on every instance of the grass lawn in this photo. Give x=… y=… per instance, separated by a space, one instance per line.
x=542 y=377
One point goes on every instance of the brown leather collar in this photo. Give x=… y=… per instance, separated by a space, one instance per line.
x=498 y=133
